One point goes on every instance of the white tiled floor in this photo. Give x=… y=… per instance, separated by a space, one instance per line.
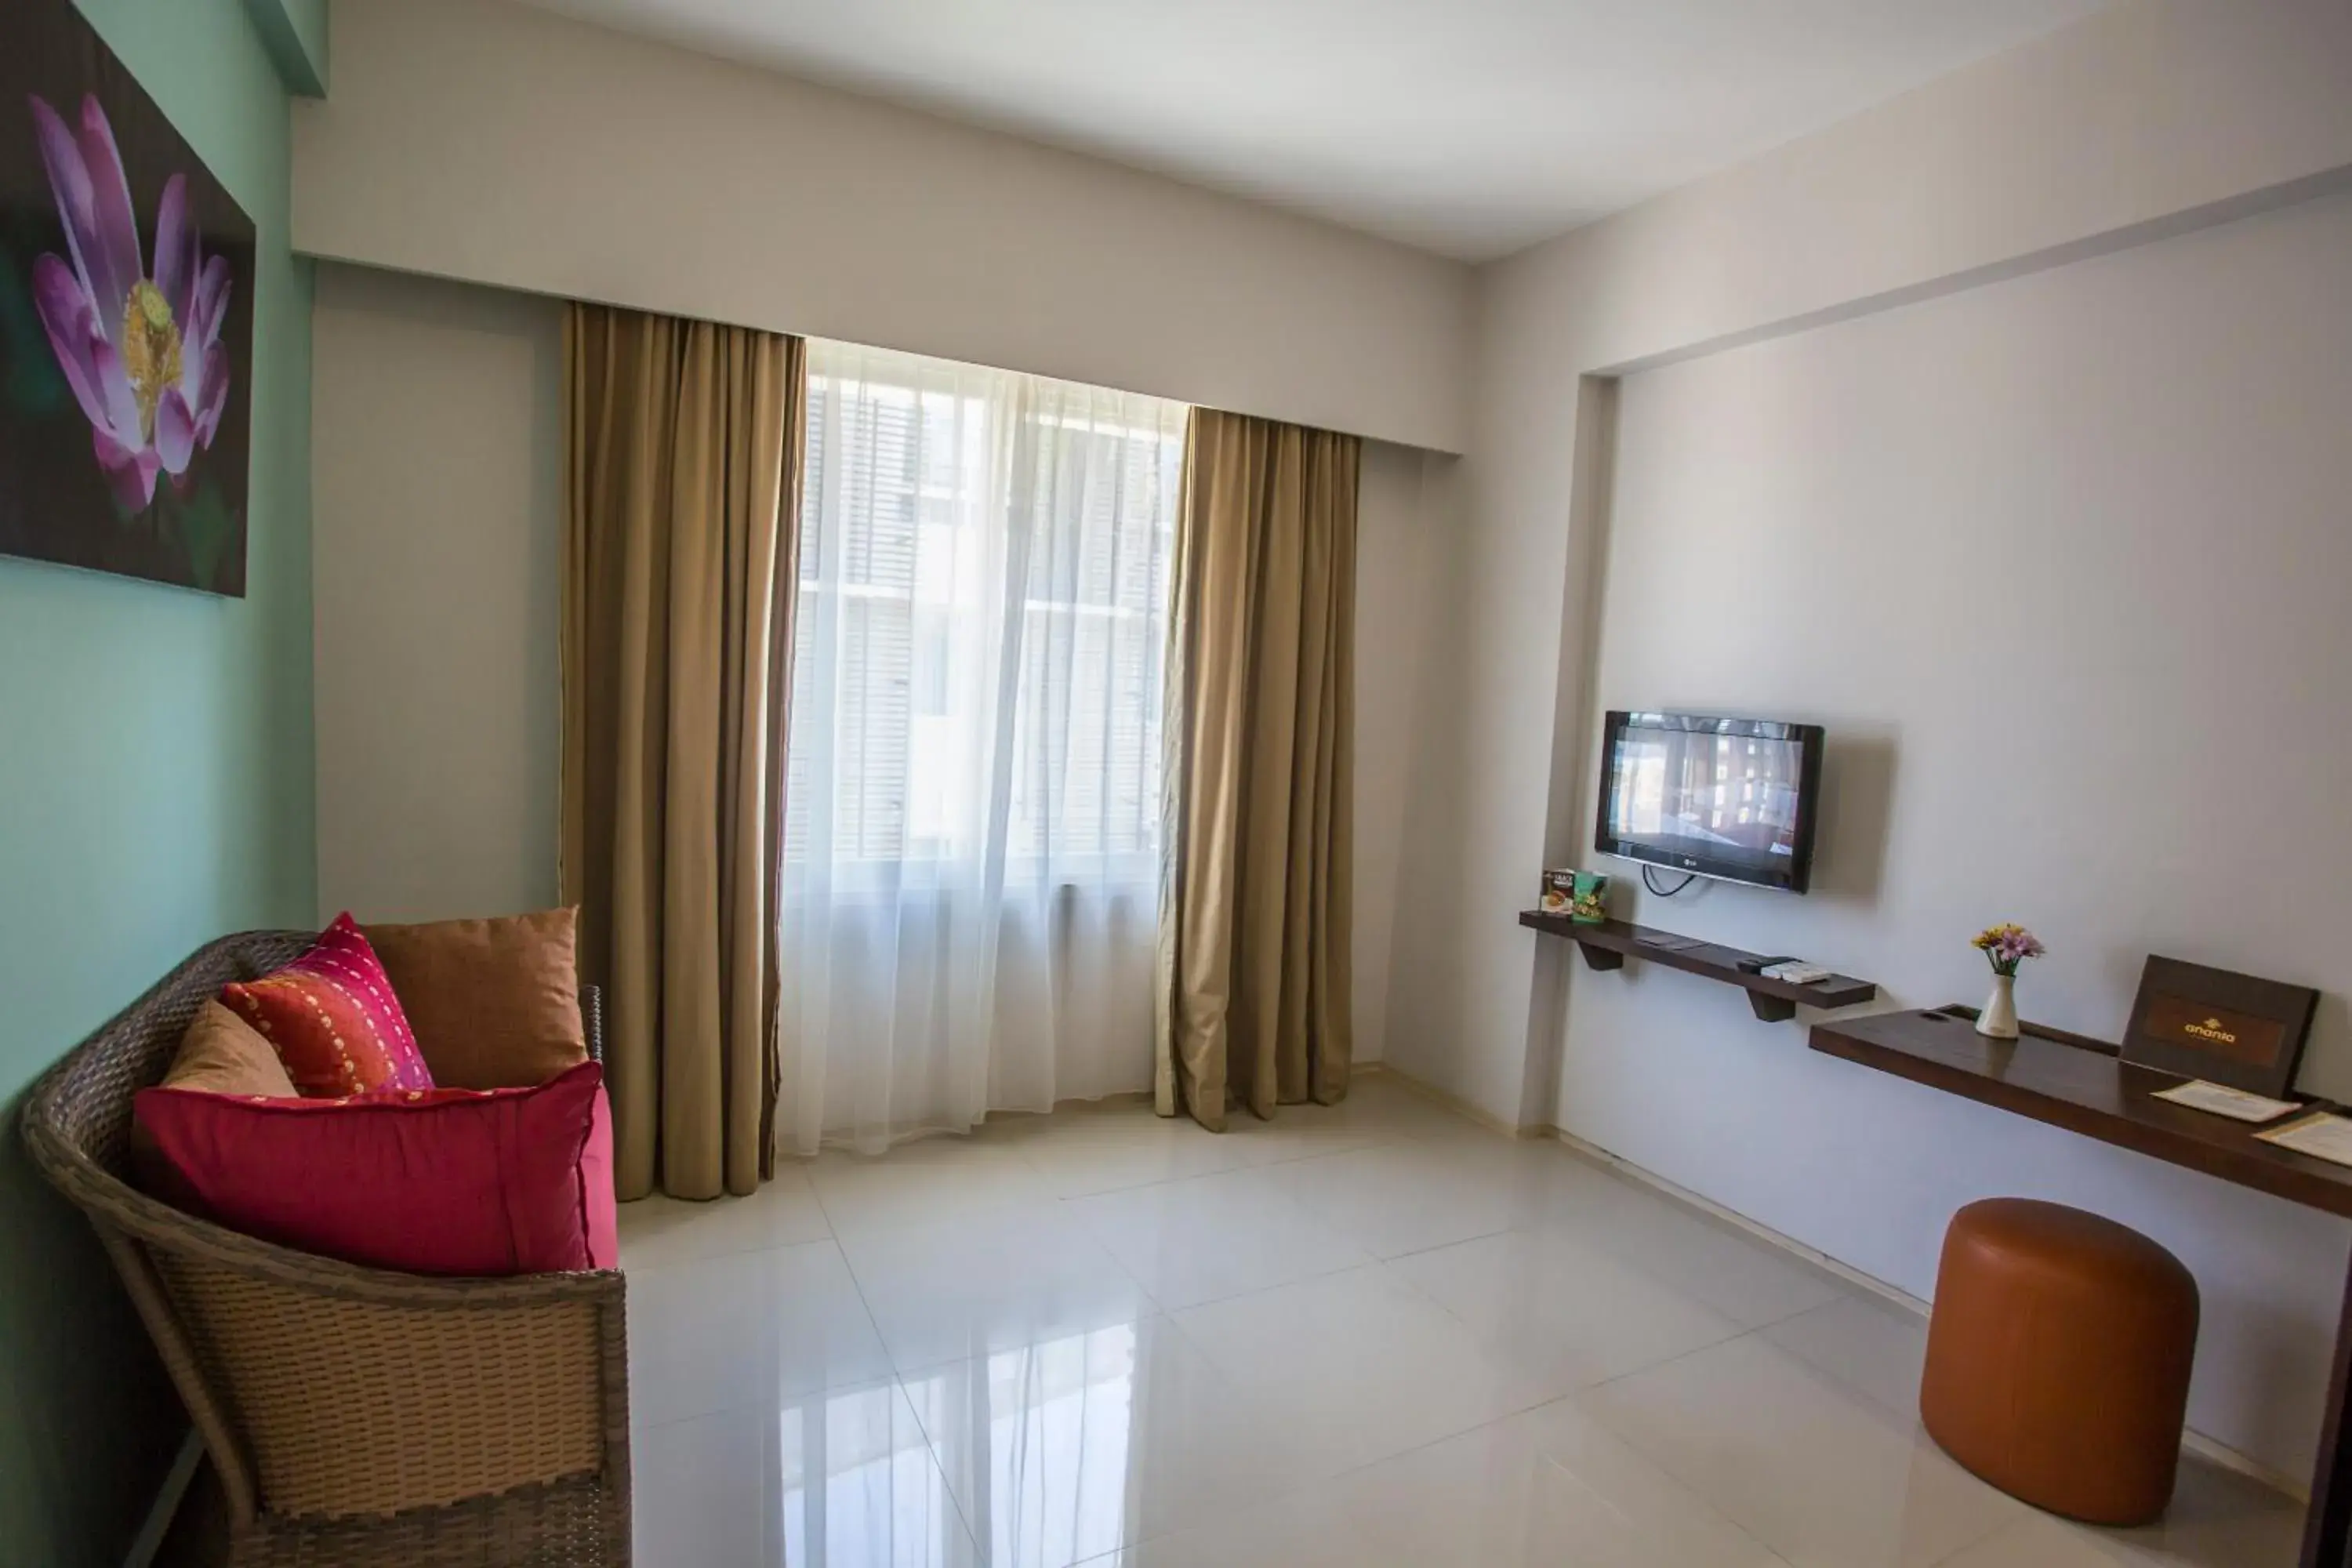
x=1358 y=1336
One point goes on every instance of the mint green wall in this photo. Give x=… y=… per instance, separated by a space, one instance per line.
x=295 y=32
x=155 y=790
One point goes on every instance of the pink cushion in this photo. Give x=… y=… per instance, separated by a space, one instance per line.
x=604 y=1215
x=333 y=1018
x=435 y=1181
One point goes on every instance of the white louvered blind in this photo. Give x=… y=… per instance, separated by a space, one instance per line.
x=981 y=618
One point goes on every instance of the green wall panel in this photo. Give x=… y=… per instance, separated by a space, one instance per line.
x=155 y=790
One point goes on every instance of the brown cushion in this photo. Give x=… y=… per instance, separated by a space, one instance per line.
x=223 y=1054
x=220 y=1054
x=495 y=1003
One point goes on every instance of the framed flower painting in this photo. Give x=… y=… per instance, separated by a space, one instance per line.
x=126 y=320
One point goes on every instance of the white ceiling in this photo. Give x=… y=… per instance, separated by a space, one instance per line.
x=1471 y=128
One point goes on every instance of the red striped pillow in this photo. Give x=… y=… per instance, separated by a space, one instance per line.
x=333 y=1018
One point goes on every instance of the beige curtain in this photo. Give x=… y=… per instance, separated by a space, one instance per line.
x=681 y=506
x=1256 y=888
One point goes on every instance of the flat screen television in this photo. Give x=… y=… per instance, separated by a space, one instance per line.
x=1729 y=798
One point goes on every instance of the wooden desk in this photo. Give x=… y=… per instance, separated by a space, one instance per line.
x=2069 y=1081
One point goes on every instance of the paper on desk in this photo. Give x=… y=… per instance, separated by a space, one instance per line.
x=2224 y=1100
x=2328 y=1137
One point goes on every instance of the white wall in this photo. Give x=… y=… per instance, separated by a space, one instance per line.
x=2151 y=116
x=498 y=145
x=438 y=470
x=438 y=462
x=2153 y=119
x=2061 y=564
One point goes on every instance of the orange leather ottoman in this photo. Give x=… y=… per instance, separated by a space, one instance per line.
x=2058 y=1359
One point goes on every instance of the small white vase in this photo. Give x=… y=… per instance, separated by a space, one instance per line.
x=1999 y=1019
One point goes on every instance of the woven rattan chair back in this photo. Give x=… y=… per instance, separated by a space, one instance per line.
x=354 y=1417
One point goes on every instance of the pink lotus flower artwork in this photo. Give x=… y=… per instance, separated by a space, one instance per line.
x=131 y=290
x=140 y=344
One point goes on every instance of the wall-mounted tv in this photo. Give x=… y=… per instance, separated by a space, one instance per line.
x=1729 y=798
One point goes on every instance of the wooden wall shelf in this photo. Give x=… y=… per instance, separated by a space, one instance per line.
x=2070 y=1081
x=1609 y=944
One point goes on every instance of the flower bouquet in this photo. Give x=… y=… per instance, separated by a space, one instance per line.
x=2005 y=946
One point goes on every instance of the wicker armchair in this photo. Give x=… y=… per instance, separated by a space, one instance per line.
x=354 y=1417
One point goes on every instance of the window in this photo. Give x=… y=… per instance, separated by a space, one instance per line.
x=981 y=618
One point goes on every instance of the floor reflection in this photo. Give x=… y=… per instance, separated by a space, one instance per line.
x=1036 y=1442
x=1038 y=1439
x=860 y=1487
x=836 y=1385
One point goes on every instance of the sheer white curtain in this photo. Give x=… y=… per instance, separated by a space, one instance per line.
x=972 y=817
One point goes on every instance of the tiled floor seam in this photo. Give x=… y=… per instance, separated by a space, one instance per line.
x=900 y=1374
x=1739 y=1333
x=1746 y=1535
x=898 y=1386
x=1344 y=1471
x=934 y=1448
x=1340 y=1475
x=1680 y=1356
x=1162 y=1310
x=1457 y=1241
x=1965 y=1547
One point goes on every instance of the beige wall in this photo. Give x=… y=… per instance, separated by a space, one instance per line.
x=498 y=145
x=436 y=474
x=1405 y=514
